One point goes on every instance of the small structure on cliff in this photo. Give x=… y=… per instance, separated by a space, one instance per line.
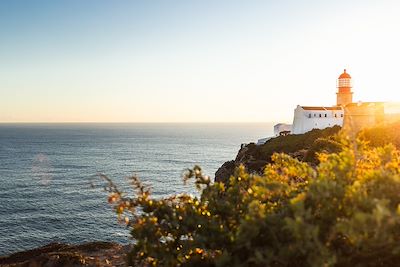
x=282 y=129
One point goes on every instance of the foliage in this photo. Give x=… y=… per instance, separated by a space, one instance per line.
x=382 y=134
x=343 y=212
x=326 y=145
x=295 y=142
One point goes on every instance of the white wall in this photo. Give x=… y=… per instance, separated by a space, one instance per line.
x=302 y=123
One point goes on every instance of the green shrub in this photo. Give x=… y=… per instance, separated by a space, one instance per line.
x=295 y=142
x=344 y=212
x=325 y=145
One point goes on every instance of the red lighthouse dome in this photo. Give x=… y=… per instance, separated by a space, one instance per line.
x=344 y=81
x=344 y=75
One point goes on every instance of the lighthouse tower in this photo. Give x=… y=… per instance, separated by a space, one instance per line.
x=344 y=94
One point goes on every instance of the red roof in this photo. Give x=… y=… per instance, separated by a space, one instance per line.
x=344 y=75
x=322 y=108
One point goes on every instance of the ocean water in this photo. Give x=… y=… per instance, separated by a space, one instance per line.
x=46 y=172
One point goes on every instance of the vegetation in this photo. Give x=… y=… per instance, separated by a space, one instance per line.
x=382 y=134
x=296 y=142
x=304 y=147
x=329 y=144
x=345 y=211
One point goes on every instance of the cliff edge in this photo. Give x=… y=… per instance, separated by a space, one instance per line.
x=301 y=146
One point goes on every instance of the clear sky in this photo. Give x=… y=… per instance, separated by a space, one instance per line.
x=191 y=61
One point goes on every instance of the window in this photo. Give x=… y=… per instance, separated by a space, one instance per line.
x=315 y=115
x=309 y=115
x=320 y=115
x=335 y=115
x=341 y=115
x=326 y=115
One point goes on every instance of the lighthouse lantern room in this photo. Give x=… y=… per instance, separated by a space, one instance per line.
x=344 y=85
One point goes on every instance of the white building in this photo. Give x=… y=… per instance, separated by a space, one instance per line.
x=308 y=118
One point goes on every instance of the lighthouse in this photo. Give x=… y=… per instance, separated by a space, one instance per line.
x=344 y=95
x=349 y=115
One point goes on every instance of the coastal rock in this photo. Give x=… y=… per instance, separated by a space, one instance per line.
x=66 y=255
x=246 y=157
x=225 y=171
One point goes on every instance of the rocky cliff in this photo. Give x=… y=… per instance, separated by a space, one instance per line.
x=301 y=146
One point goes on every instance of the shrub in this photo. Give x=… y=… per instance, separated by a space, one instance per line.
x=295 y=142
x=382 y=134
x=344 y=212
x=325 y=145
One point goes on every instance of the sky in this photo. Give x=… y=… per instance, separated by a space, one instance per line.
x=191 y=61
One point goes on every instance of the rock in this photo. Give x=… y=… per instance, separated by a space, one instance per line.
x=245 y=156
x=256 y=166
x=65 y=255
x=225 y=171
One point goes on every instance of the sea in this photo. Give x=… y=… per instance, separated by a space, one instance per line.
x=50 y=190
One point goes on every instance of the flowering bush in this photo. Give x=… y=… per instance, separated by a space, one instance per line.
x=343 y=212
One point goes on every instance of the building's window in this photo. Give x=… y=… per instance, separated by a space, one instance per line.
x=335 y=115
x=315 y=115
x=320 y=115
x=341 y=115
x=309 y=115
x=326 y=115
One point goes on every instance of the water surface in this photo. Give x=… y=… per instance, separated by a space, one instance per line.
x=45 y=173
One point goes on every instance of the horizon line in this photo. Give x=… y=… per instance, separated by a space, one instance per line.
x=129 y=122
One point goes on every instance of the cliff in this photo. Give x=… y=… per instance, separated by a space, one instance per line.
x=300 y=146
